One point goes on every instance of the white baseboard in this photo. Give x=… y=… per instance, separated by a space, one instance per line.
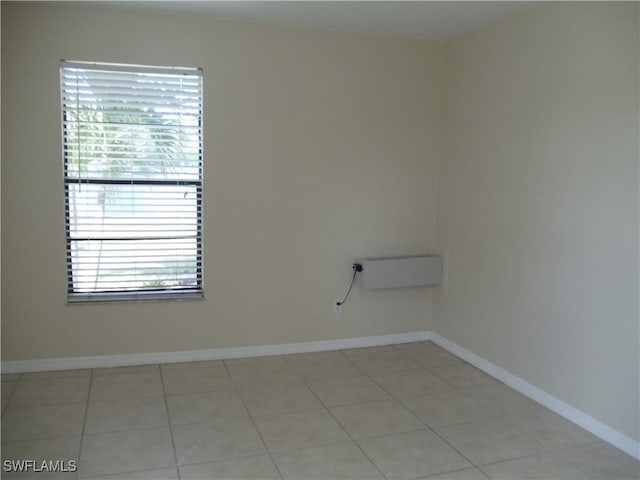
x=606 y=433
x=70 y=363
x=590 y=424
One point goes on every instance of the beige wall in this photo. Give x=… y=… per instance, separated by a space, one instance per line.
x=538 y=203
x=320 y=147
x=324 y=146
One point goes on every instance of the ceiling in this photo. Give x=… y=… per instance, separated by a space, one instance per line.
x=415 y=19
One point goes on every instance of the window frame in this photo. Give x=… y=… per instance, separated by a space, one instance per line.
x=134 y=295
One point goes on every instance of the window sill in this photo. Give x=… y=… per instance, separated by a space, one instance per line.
x=85 y=298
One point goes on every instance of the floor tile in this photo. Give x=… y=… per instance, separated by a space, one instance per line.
x=463 y=375
x=219 y=440
x=338 y=461
x=465 y=474
x=411 y=345
x=130 y=451
x=42 y=422
x=7 y=389
x=429 y=354
x=446 y=408
x=537 y=467
x=602 y=461
x=168 y=367
x=381 y=359
x=500 y=400
x=169 y=473
x=196 y=380
x=127 y=434
x=411 y=383
x=279 y=399
x=31 y=393
x=248 y=468
x=56 y=374
x=262 y=374
x=550 y=429
x=128 y=414
x=367 y=350
x=65 y=449
x=255 y=360
x=321 y=365
x=488 y=441
x=299 y=430
x=126 y=385
x=412 y=455
x=127 y=369
x=347 y=391
x=326 y=356
x=377 y=418
x=204 y=407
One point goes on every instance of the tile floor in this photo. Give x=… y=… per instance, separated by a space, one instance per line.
x=398 y=411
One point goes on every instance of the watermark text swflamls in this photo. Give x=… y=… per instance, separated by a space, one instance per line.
x=30 y=465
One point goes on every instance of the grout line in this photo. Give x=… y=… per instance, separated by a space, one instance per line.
x=84 y=420
x=11 y=394
x=546 y=448
x=520 y=457
x=166 y=406
x=122 y=370
x=549 y=451
x=576 y=465
x=453 y=447
x=458 y=470
x=398 y=399
x=110 y=475
x=345 y=430
x=28 y=377
x=483 y=472
x=222 y=460
x=353 y=363
x=24 y=440
x=255 y=425
x=461 y=390
x=136 y=429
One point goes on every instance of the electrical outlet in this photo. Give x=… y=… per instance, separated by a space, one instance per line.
x=337 y=307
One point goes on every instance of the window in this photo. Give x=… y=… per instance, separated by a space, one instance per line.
x=132 y=146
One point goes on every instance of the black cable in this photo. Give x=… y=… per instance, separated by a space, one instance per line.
x=356 y=268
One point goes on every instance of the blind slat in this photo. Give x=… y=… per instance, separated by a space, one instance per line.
x=140 y=125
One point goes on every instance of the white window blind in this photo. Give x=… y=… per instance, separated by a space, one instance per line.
x=132 y=140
